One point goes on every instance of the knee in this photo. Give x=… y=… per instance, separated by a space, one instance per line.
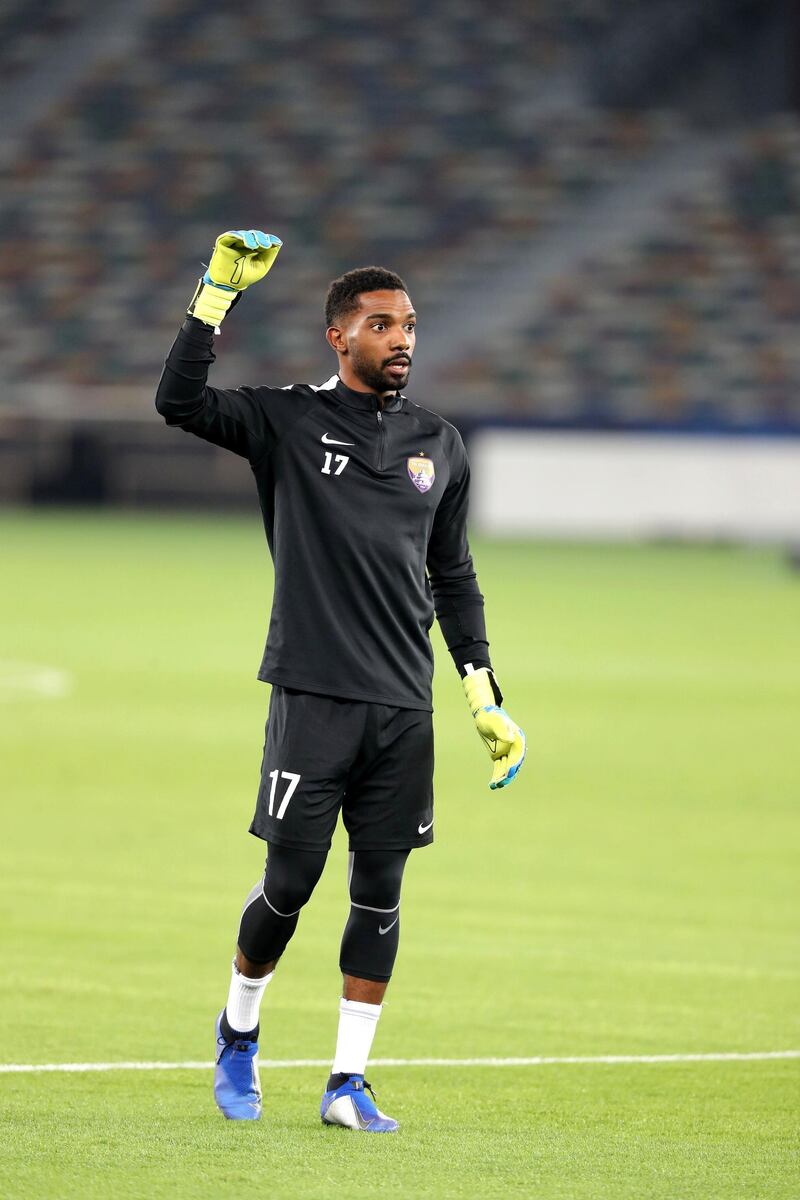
x=376 y=878
x=290 y=877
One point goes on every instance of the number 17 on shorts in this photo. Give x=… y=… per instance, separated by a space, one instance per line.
x=292 y=779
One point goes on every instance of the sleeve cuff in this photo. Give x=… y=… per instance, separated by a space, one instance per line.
x=197 y=331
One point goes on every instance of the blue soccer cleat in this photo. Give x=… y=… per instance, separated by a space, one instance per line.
x=237 y=1087
x=350 y=1106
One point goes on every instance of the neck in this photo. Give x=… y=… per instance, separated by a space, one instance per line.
x=351 y=380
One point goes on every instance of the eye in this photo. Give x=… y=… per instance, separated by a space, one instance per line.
x=411 y=325
x=379 y=325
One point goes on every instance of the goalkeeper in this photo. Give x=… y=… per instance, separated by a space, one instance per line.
x=364 y=497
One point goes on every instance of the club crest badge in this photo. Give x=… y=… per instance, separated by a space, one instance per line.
x=421 y=473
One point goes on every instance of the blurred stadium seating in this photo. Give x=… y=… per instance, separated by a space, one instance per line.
x=31 y=32
x=695 y=325
x=220 y=118
x=452 y=144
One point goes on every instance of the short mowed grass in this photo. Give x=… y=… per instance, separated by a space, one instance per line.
x=635 y=892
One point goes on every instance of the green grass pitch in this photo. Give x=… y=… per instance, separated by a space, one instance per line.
x=635 y=892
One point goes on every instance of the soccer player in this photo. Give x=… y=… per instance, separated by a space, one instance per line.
x=364 y=497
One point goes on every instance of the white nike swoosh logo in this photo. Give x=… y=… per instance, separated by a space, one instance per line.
x=424 y=828
x=329 y=441
x=388 y=927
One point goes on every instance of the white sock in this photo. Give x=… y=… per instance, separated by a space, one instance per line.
x=244 y=1000
x=357 y=1025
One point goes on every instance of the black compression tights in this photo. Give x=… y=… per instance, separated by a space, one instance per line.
x=372 y=933
x=371 y=936
x=273 y=907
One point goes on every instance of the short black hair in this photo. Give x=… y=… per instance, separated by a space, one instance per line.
x=343 y=293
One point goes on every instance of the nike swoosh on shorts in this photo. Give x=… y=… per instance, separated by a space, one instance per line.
x=424 y=828
x=329 y=441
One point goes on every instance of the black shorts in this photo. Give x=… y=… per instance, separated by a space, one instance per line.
x=322 y=754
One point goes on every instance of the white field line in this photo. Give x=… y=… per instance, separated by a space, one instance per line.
x=538 y=1061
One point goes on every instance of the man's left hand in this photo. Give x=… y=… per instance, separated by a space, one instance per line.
x=502 y=737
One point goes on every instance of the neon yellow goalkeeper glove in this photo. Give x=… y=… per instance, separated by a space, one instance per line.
x=504 y=740
x=240 y=257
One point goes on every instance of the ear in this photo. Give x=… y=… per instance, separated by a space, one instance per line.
x=336 y=339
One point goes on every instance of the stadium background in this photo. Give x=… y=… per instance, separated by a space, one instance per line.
x=595 y=206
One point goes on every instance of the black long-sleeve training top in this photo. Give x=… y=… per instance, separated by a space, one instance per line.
x=358 y=501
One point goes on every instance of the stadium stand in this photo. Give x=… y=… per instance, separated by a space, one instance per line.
x=29 y=33
x=430 y=145
x=120 y=192
x=696 y=325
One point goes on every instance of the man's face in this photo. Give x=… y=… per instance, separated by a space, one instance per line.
x=378 y=339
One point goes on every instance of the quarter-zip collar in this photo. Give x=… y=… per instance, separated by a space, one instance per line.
x=366 y=401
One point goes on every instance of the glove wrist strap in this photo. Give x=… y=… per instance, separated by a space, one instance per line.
x=480 y=688
x=210 y=303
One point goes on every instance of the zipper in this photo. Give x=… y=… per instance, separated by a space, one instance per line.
x=381 y=438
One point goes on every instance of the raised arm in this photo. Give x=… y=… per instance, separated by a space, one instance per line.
x=238 y=419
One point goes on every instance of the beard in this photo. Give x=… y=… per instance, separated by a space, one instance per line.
x=373 y=376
